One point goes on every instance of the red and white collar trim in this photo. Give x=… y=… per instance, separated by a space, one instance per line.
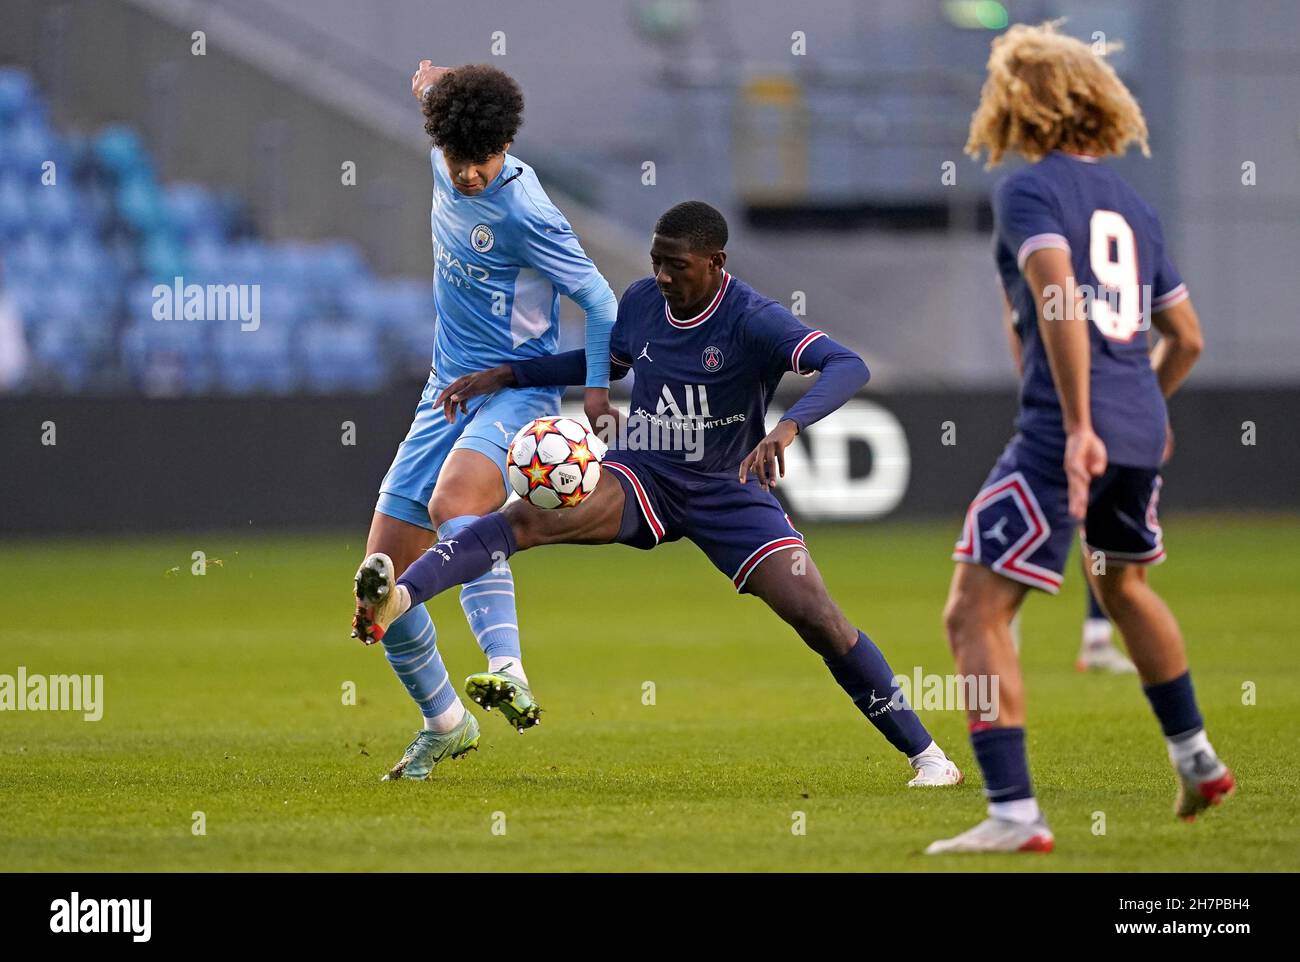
x=1086 y=158
x=705 y=314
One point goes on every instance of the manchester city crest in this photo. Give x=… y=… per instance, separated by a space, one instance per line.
x=481 y=238
x=712 y=358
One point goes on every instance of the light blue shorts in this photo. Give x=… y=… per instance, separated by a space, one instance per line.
x=489 y=426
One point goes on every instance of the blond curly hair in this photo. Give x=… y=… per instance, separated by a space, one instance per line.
x=1046 y=91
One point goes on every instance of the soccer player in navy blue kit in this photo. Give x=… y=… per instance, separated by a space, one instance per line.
x=708 y=352
x=1085 y=268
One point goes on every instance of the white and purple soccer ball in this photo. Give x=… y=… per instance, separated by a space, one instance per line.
x=554 y=462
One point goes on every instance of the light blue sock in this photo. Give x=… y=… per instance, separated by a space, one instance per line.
x=411 y=644
x=489 y=603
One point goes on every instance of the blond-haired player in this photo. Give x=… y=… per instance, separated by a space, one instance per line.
x=1084 y=266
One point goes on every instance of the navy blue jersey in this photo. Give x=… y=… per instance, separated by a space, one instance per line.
x=1119 y=259
x=714 y=374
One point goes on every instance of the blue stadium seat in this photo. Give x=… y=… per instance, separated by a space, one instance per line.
x=54 y=209
x=18 y=95
x=192 y=211
x=25 y=294
x=69 y=351
x=256 y=362
x=139 y=204
x=14 y=207
x=29 y=257
x=162 y=258
x=341 y=357
x=30 y=144
x=168 y=357
x=121 y=152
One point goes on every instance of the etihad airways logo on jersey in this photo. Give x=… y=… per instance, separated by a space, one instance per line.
x=454 y=270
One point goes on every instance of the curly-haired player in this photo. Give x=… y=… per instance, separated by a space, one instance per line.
x=503 y=254
x=1086 y=272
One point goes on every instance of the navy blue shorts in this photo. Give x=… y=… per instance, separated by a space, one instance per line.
x=735 y=525
x=1020 y=526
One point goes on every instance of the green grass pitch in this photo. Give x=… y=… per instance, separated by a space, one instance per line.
x=224 y=695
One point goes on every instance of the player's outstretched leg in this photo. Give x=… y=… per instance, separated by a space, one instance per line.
x=489 y=605
x=474 y=550
x=1097 y=651
x=410 y=645
x=1156 y=644
x=488 y=600
x=981 y=606
x=854 y=661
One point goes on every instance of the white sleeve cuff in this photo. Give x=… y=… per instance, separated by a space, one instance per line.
x=1037 y=243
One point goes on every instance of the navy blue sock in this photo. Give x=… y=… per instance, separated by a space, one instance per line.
x=869 y=681
x=1094 y=608
x=1174 y=703
x=467 y=554
x=1002 y=758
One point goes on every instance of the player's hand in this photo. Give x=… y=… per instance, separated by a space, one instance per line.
x=767 y=460
x=1169 y=444
x=424 y=75
x=458 y=392
x=1085 y=459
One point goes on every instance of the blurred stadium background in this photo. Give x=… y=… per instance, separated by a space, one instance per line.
x=128 y=159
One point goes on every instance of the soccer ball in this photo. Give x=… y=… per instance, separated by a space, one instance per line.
x=554 y=462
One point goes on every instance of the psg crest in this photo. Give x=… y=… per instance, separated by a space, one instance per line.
x=481 y=238
x=712 y=359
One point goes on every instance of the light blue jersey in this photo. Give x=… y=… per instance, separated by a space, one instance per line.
x=502 y=258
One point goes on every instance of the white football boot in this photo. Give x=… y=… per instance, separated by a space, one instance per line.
x=380 y=600
x=998 y=835
x=934 y=768
x=1203 y=781
x=1098 y=654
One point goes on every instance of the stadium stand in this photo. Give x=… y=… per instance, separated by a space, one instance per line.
x=85 y=242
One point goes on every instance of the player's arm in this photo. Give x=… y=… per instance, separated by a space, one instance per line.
x=552 y=370
x=1048 y=272
x=549 y=245
x=842 y=374
x=601 y=308
x=1180 y=345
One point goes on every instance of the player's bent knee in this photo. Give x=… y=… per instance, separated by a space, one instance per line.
x=965 y=618
x=441 y=511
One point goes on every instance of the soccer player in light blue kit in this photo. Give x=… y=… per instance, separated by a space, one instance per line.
x=503 y=255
